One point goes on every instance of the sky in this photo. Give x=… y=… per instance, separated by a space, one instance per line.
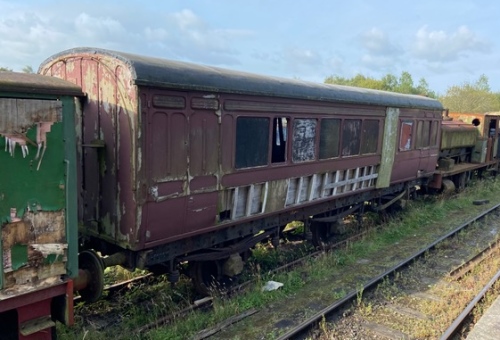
x=446 y=42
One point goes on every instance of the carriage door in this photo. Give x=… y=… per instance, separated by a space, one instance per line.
x=491 y=123
x=203 y=162
x=423 y=145
x=167 y=161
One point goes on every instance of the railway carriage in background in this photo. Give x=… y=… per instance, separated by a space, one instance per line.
x=182 y=162
x=154 y=163
x=38 y=216
x=469 y=144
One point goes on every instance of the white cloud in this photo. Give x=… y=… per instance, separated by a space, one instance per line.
x=439 y=46
x=376 y=42
x=98 y=27
x=299 y=56
x=381 y=54
x=378 y=62
x=25 y=34
x=184 y=35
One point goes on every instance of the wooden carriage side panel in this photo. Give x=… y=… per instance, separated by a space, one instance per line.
x=108 y=139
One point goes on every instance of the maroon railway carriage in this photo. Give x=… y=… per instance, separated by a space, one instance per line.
x=187 y=162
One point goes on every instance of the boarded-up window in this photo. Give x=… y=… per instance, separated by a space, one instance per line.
x=423 y=133
x=304 y=135
x=405 y=137
x=434 y=133
x=252 y=142
x=369 y=138
x=351 y=137
x=329 y=140
x=426 y=133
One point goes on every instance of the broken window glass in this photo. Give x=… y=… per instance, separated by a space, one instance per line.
x=304 y=135
x=351 y=137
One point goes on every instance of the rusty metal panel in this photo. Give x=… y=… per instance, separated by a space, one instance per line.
x=457 y=135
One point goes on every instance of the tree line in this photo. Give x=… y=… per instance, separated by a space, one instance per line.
x=26 y=69
x=467 y=97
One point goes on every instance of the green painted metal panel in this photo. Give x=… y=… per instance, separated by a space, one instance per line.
x=30 y=182
x=389 y=144
x=37 y=176
x=19 y=255
x=71 y=110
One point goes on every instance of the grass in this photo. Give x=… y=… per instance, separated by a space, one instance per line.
x=418 y=219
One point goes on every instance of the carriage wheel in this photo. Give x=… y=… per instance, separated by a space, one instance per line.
x=92 y=263
x=206 y=275
x=321 y=233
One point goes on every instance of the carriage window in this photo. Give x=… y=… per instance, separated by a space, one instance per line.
x=252 y=142
x=369 y=142
x=426 y=133
x=329 y=138
x=405 y=137
x=418 y=139
x=304 y=134
x=434 y=133
x=279 y=140
x=351 y=137
x=423 y=133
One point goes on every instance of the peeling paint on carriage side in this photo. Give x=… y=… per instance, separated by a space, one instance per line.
x=34 y=161
x=19 y=118
x=110 y=136
x=34 y=251
x=389 y=147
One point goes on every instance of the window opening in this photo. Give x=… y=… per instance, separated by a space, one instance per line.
x=492 y=128
x=406 y=135
x=351 y=137
x=278 y=153
x=426 y=133
x=434 y=133
x=370 y=136
x=329 y=141
x=252 y=142
x=304 y=135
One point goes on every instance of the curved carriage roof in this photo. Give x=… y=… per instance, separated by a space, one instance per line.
x=37 y=84
x=165 y=73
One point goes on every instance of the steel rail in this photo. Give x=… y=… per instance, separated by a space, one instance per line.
x=458 y=321
x=310 y=322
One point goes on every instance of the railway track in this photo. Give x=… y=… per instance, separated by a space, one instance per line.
x=365 y=310
x=206 y=302
x=459 y=270
x=116 y=290
x=121 y=286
